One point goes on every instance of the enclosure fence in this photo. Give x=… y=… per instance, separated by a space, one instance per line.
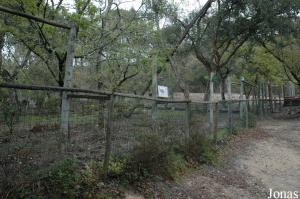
x=104 y=124
x=40 y=125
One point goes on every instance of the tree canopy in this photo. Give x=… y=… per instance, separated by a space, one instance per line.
x=115 y=47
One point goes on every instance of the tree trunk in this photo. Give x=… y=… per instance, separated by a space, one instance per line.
x=207 y=92
x=101 y=104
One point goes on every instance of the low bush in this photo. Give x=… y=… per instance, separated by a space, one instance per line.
x=67 y=179
x=91 y=174
x=199 y=149
x=63 y=177
x=117 y=166
x=152 y=156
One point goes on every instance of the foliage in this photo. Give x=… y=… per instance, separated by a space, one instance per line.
x=67 y=179
x=115 y=49
x=63 y=177
x=199 y=149
x=285 y=50
x=255 y=63
x=91 y=182
x=9 y=110
x=152 y=156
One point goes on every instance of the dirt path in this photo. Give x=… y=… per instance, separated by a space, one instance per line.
x=259 y=160
x=276 y=161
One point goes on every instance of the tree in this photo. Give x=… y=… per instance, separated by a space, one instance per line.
x=254 y=63
x=287 y=53
x=230 y=25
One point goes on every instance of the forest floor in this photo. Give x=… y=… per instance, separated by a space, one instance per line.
x=254 y=161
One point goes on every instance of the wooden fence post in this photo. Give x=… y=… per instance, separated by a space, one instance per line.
x=154 y=95
x=229 y=104
x=270 y=96
x=154 y=88
x=109 y=129
x=246 y=111
x=266 y=97
x=211 y=106
x=281 y=99
x=215 y=132
x=188 y=120
x=291 y=89
x=256 y=99
x=260 y=99
x=65 y=103
x=241 y=98
x=263 y=98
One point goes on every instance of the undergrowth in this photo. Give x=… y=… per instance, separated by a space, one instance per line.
x=152 y=157
x=199 y=148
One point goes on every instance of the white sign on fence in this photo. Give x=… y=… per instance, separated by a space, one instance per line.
x=163 y=91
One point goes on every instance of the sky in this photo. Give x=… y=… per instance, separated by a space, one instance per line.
x=185 y=6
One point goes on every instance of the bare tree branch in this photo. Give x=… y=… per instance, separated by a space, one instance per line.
x=199 y=16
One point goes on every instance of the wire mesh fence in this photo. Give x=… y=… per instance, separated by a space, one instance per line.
x=30 y=133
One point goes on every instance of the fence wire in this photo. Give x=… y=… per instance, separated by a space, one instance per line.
x=30 y=134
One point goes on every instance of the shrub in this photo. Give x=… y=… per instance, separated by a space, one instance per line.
x=91 y=173
x=199 y=149
x=9 y=110
x=67 y=179
x=91 y=184
x=63 y=177
x=117 y=165
x=151 y=156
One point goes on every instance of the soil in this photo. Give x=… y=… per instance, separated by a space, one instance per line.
x=255 y=161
